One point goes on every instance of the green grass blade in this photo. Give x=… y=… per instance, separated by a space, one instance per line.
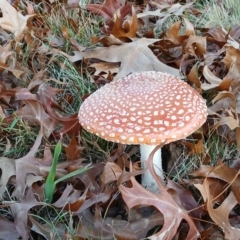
x=11 y=127
x=74 y=173
x=50 y=184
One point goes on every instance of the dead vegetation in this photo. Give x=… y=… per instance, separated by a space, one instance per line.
x=53 y=55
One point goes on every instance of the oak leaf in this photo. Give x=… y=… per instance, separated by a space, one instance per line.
x=8 y=229
x=163 y=201
x=135 y=56
x=12 y=20
x=220 y=215
x=20 y=213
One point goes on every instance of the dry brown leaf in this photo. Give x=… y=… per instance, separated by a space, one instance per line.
x=232 y=62
x=134 y=57
x=193 y=77
x=39 y=167
x=163 y=201
x=2 y=114
x=165 y=11
x=172 y=213
x=111 y=228
x=232 y=57
x=105 y=67
x=107 y=40
x=12 y=20
x=196 y=46
x=33 y=112
x=73 y=150
x=221 y=171
x=45 y=229
x=219 y=215
x=172 y=33
x=29 y=164
x=238 y=137
x=8 y=170
x=107 y=9
x=186 y=199
x=211 y=78
x=231 y=122
x=196 y=146
x=231 y=99
x=20 y=213
x=5 y=53
x=111 y=172
x=127 y=29
x=8 y=229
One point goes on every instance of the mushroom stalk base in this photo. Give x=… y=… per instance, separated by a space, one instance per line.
x=148 y=180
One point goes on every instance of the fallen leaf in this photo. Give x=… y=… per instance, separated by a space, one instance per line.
x=187 y=200
x=33 y=112
x=8 y=229
x=170 y=10
x=111 y=172
x=127 y=29
x=106 y=10
x=211 y=78
x=12 y=20
x=172 y=213
x=220 y=215
x=104 y=67
x=8 y=170
x=73 y=150
x=20 y=213
x=134 y=57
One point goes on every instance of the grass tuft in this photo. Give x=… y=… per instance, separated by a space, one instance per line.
x=223 y=13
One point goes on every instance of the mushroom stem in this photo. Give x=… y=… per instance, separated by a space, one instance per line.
x=148 y=180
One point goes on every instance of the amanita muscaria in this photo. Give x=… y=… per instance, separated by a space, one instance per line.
x=146 y=108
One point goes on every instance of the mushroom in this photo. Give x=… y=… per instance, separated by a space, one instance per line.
x=147 y=108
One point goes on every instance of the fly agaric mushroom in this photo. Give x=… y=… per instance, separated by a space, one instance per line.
x=146 y=108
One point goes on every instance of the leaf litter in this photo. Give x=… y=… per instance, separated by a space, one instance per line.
x=107 y=201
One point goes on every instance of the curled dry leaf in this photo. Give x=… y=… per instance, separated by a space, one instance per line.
x=211 y=78
x=110 y=10
x=194 y=78
x=197 y=146
x=107 y=41
x=196 y=46
x=126 y=29
x=221 y=172
x=70 y=123
x=220 y=215
x=111 y=172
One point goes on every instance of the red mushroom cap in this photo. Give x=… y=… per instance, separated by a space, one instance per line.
x=144 y=108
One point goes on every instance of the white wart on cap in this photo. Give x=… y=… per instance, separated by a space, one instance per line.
x=144 y=108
